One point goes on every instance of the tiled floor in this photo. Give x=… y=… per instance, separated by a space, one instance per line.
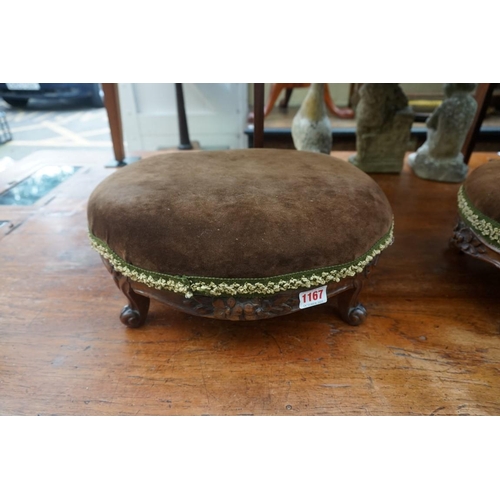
x=50 y=126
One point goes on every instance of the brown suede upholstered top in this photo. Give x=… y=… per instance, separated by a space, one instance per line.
x=482 y=187
x=239 y=213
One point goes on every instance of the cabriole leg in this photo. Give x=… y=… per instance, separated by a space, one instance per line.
x=351 y=311
x=135 y=312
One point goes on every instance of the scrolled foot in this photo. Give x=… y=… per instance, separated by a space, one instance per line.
x=355 y=315
x=351 y=311
x=132 y=317
x=465 y=240
x=135 y=312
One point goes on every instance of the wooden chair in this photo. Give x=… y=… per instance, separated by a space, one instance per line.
x=484 y=94
x=277 y=88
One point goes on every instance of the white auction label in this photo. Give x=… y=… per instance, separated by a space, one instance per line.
x=313 y=297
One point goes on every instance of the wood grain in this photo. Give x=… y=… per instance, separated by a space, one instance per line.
x=430 y=344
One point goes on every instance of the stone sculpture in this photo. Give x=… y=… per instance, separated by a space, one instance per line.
x=440 y=157
x=311 y=128
x=383 y=128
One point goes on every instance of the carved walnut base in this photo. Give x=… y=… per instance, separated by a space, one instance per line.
x=239 y=308
x=471 y=243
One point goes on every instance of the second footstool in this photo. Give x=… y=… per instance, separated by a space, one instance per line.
x=477 y=232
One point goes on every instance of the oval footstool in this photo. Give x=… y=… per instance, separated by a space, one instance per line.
x=477 y=231
x=239 y=234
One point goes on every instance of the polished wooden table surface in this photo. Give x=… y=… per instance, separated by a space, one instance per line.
x=430 y=344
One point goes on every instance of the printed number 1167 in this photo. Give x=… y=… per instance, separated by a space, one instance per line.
x=312 y=297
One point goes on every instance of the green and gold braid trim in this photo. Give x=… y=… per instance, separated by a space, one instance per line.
x=488 y=228
x=190 y=285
